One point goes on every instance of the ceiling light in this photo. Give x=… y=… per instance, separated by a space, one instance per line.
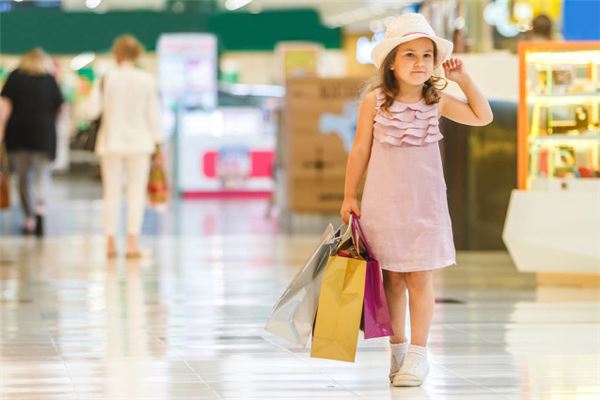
x=178 y=7
x=233 y=5
x=459 y=23
x=92 y=3
x=82 y=60
x=332 y=22
x=523 y=11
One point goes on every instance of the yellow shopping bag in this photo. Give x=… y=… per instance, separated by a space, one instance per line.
x=340 y=309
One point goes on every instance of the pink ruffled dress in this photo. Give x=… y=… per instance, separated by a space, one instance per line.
x=404 y=209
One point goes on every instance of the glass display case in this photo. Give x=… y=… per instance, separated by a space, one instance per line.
x=553 y=217
x=559 y=115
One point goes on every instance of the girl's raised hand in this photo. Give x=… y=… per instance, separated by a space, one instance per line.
x=454 y=69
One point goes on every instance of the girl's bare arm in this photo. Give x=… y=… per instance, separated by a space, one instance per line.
x=359 y=155
x=476 y=111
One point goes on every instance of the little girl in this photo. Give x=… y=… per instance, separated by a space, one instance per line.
x=404 y=207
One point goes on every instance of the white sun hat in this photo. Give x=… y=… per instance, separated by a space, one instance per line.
x=404 y=28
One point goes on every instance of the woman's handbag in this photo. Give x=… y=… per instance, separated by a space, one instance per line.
x=85 y=139
x=4 y=180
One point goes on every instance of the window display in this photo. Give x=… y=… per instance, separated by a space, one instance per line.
x=552 y=220
x=559 y=114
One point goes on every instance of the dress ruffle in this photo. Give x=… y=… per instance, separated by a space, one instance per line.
x=413 y=124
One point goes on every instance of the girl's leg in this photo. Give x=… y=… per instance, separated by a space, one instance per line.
x=415 y=367
x=421 y=300
x=395 y=291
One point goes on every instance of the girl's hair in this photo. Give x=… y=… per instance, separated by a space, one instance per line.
x=128 y=48
x=388 y=84
x=36 y=62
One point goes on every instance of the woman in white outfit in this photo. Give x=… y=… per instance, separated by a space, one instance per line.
x=128 y=136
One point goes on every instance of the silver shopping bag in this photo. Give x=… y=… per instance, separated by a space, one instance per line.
x=293 y=315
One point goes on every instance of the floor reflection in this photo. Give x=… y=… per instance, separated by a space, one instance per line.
x=186 y=322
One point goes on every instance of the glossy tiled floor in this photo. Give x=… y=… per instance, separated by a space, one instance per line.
x=186 y=323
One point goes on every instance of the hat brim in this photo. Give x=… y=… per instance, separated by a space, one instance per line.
x=382 y=49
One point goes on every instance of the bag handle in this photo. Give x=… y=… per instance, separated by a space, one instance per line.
x=357 y=228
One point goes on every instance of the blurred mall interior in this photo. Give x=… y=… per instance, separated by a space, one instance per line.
x=258 y=108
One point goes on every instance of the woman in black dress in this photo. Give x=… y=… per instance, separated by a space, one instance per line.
x=30 y=102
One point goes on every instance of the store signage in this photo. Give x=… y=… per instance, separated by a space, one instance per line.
x=187 y=73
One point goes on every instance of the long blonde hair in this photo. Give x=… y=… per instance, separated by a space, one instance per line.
x=388 y=84
x=36 y=62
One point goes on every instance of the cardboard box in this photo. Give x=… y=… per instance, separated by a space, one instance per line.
x=320 y=124
x=327 y=151
x=312 y=109
x=324 y=89
x=320 y=193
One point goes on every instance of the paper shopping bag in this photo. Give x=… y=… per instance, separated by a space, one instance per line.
x=293 y=315
x=340 y=307
x=158 y=190
x=376 y=315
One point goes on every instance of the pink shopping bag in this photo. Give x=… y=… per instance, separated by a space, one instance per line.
x=376 y=314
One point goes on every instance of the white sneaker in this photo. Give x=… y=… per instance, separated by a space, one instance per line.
x=398 y=351
x=414 y=369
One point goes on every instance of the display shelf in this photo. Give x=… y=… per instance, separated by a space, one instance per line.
x=566 y=98
x=558 y=138
x=559 y=110
x=553 y=217
x=555 y=184
x=545 y=58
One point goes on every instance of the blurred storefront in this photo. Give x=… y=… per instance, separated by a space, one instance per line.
x=553 y=219
x=278 y=118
